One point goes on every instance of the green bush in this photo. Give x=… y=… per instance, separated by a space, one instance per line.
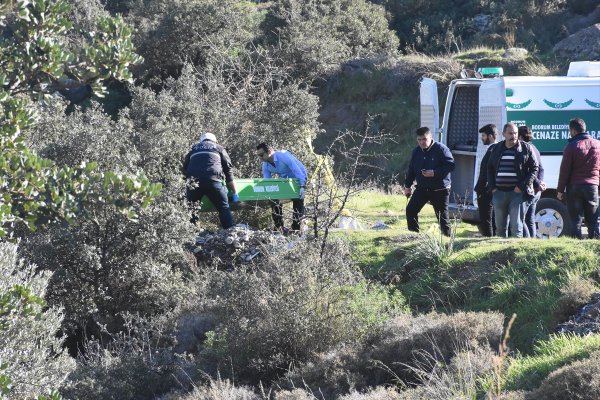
x=317 y=36
x=579 y=380
x=407 y=350
x=136 y=363
x=172 y=33
x=288 y=308
x=32 y=361
x=434 y=26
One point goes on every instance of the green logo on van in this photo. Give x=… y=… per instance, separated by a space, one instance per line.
x=518 y=106
x=558 y=106
x=592 y=103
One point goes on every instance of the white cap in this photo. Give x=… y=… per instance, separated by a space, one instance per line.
x=208 y=136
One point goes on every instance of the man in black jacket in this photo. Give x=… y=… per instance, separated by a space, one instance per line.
x=487 y=226
x=529 y=225
x=205 y=166
x=430 y=165
x=511 y=170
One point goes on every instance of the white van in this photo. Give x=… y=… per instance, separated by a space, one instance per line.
x=545 y=104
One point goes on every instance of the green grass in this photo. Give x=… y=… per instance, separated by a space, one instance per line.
x=519 y=276
x=511 y=276
x=526 y=373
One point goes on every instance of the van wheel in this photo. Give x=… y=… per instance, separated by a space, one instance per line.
x=551 y=218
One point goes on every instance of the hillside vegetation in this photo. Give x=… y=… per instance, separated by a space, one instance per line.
x=105 y=292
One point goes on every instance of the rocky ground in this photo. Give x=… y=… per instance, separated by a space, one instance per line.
x=238 y=245
x=586 y=321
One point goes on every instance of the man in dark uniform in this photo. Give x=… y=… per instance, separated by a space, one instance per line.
x=205 y=166
x=430 y=165
x=487 y=226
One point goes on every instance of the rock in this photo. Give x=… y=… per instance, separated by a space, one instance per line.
x=586 y=321
x=515 y=53
x=582 y=45
x=227 y=248
x=380 y=225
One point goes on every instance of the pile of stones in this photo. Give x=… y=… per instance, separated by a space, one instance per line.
x=237 y=245
x=586 y=321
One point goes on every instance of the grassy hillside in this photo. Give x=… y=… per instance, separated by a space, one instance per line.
x=542 y=282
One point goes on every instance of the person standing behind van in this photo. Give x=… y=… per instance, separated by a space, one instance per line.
x=579 y=177
x=487 y=225
x=511 y=171
x=430 y=165
x=529 y=227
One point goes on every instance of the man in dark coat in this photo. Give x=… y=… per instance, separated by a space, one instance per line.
x=529 y=226
x=430 y=166
x=205 y=167
x=487 y=226
x=511 y=170
x=579 y=178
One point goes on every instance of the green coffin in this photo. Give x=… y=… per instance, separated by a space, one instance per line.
x=252 y=191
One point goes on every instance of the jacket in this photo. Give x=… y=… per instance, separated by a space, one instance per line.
x=539 y=178
x=481 y=185
x=436 y=157
x=580 y=164
x=525 y=164
x=208 y=161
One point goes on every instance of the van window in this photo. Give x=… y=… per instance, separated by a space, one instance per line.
x=463 y=121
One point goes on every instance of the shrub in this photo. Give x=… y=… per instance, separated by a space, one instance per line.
x=579 y=380
x=379 y=393
x=406 y=349
x=172 y=33
x=137 y=363
x=317 y=36
x=576 y=293
x=290 y=307
x=31 y=355
x=219 y=389
x=108 y=264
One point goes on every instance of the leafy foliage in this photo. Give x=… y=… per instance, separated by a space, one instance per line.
x=433 y=26
x=316 y=36
x=36 y=62
x=31 y=358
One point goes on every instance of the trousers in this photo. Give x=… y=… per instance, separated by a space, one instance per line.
x=439 y=199
x=217 y=194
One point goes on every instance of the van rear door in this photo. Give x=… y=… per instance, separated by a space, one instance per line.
x=492 y=110
x=430 y=112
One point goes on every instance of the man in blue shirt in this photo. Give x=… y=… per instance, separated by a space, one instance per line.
x=283 y=164
x=430 y=166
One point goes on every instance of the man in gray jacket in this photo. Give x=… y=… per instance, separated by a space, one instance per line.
x=205 y=166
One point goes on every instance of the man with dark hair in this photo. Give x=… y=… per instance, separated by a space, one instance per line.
x=430 y=166
x=511 y=171
x=529 y=227
x=285 y=165
x=487 y=226
x=579 y=177
x=205 y=166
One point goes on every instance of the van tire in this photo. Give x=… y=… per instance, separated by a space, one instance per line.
x=552 y=218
